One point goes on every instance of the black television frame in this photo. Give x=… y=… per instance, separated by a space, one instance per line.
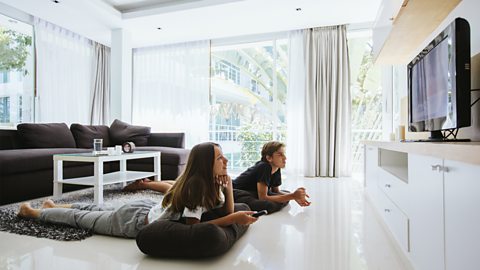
x=459 y=31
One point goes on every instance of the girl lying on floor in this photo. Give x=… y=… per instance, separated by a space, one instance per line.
x=203 y=187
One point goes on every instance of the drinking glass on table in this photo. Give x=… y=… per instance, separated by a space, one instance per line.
x=97 y=146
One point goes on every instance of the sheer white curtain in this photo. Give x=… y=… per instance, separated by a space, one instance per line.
x=296 y=103
x=64 y=74
x=171 y=89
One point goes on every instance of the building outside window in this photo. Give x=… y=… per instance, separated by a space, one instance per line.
x=4 y=77
x=250 y=112
x=254 y=86
x=4 y=110
x=20 y=106
x=227 y=71
x=16 y=72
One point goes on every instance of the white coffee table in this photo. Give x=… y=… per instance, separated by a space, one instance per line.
x=99 y=179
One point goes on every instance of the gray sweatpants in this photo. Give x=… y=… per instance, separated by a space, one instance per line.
x=125 y=221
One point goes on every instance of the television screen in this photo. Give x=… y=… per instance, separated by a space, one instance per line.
x=432 y=86
x=439 y=82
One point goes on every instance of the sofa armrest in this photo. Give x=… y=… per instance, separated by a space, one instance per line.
x=175 y=140
x=9 y=140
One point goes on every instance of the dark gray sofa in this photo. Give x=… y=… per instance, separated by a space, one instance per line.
x=26 y=155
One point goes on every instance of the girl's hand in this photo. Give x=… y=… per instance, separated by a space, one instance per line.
x=223 y=180
x=244 y=217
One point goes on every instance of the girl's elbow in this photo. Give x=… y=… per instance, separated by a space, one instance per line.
x=192 y=221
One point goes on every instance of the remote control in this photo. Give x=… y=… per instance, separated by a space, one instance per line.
x=259 y=213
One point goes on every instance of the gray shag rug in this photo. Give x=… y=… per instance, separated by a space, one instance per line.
x=113 y=195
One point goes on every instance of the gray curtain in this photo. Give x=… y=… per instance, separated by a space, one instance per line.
x=100 y=97
x=328 y=103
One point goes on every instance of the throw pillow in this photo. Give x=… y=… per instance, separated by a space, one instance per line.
x=179 y=240
x=51 y=135
x=84 y=135
x=200 y=240
x=121 y=132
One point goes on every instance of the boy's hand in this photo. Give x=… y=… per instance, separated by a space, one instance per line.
x=300 y=196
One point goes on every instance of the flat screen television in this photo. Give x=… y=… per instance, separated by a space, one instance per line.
x=439 y=84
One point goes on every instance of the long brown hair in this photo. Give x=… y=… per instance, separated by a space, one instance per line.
x=195 y=186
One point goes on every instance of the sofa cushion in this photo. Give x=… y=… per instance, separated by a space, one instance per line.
x=121 y=132
x=170 y=156
x=14 y=161
x=84 y=135
x=52 y=135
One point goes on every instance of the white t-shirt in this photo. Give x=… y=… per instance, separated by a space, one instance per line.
x=158 y=212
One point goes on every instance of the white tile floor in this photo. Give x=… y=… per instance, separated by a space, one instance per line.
x=338 y=231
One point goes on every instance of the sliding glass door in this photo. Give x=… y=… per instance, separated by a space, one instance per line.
x=366 y=96
x=248 y=93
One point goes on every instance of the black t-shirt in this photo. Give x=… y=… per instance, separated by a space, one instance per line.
x=260 y=172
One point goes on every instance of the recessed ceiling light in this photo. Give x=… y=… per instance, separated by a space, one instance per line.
x=298 y=9
x=159 y=28
x=55 y=1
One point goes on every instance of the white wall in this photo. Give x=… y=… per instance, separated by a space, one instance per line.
x=469 y=10
x=121 y=76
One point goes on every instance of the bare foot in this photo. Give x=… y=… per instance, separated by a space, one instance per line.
x=27 y=211
x=48 y=204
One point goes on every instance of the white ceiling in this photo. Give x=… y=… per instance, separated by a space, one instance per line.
x=187 y=20
x=131 y=5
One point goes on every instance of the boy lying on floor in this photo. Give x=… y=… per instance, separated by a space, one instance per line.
x=259 y=185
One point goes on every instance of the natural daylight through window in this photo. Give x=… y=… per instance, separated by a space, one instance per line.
x=366 y=96
x=248 y=93
x=16 y=72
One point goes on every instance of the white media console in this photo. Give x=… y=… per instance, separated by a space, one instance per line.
x=428 y=196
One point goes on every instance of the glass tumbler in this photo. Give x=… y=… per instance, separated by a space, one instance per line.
x=97 y=146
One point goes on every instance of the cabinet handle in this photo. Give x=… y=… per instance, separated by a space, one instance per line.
x=388 y=186
x=387 y=210
x=439 y=168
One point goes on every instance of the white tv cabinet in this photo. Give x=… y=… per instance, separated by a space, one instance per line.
x=428 y=196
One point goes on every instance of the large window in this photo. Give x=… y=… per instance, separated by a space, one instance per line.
x=366 y=96
x=16 y=72
x=248 y=92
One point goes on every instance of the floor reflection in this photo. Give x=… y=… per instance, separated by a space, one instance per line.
x=339 y=231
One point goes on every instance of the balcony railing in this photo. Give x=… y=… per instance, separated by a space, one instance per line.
x=231 y=141
x=242 y=150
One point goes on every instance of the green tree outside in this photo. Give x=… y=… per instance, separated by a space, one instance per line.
x=14 y=50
